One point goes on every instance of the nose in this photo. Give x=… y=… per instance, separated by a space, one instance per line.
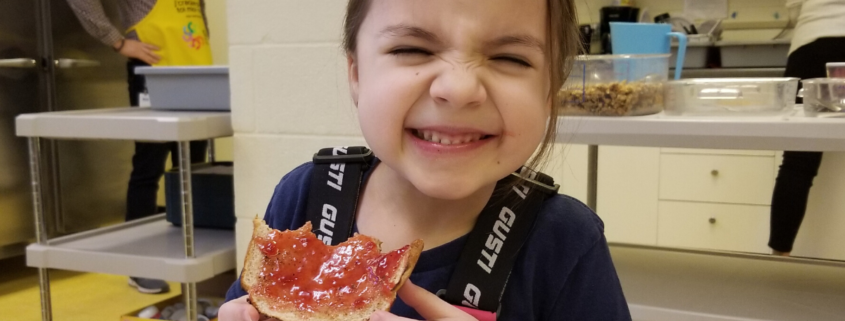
x=458 y=87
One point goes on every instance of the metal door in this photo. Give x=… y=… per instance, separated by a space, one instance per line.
x=87 y=75
x=19 y=83
x=49 y=63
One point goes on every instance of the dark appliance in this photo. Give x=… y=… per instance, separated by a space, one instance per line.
x=614 y=14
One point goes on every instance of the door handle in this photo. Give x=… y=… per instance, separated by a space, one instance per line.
x=18 y=63
x=64 y=63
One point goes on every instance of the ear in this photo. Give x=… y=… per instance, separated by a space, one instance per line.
x=352 y=69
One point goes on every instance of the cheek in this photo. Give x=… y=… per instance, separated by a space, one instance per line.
x=385 y=97
x=525 y=118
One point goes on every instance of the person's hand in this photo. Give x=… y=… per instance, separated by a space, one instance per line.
x=239 y=310
x=428 y=305
x=138 y=50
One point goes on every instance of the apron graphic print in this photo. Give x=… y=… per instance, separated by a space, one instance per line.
x=191 y=38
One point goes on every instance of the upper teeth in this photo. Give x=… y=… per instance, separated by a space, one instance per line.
x=445 y=139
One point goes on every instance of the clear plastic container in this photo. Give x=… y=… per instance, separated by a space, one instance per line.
x=615 y=85
x=824 y=97
x=730 y=96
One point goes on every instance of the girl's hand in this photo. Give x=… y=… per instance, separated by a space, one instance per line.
x=239 y=310
x=427 y=305
x=138 y=50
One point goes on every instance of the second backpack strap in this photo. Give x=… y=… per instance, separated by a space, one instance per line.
x=493 y=245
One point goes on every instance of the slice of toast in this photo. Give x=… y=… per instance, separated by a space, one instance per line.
x=293 y=276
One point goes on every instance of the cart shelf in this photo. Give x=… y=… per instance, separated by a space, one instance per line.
x=149 y=247
x=125 y=123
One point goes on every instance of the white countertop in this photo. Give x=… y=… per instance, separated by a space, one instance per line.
x=126 y=123
x=787 y=132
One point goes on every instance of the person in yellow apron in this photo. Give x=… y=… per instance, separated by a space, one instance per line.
x=158 y=33
x=177 y=29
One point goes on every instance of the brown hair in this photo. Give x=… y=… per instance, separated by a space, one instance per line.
x=562 y=37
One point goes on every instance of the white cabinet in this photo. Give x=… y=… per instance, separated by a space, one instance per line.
x=728 y=227
x=628 y=192
x=689 y=198
x=716 y=178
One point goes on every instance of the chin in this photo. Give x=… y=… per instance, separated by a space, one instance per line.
x=453 y=188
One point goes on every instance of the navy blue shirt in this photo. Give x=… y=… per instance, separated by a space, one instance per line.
x=564 y=271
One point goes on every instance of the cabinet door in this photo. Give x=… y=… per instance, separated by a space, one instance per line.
x=717 y=178
x=627 y=193
x=727 y=227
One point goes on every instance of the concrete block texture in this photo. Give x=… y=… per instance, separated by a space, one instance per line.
x=285 y=21
x=302 y=89
x=262 y=160
x=242 y=88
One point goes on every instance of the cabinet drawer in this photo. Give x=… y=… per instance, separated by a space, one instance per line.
x=717 y=178
x=727 y=227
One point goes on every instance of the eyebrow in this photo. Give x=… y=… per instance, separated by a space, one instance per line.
x=402 y=30
x=519 y=40
x=410 y=31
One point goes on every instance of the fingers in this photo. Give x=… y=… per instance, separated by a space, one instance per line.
x=151 y=47
x=238 y=310
x=429 y=305
x=142 y=51
x=151 y=56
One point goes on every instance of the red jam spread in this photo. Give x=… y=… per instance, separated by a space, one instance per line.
x=302 y=271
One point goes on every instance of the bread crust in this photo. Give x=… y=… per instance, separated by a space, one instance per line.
x=253 y=263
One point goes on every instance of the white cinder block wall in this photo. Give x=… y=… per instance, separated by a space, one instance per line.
x=289 y=94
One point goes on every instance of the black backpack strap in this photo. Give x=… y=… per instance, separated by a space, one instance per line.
x=494 y=242
x=335 y=186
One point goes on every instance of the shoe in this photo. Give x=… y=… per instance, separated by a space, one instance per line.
x=150 y=286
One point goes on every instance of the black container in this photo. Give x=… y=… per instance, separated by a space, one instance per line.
x=614 y=14
x=213 y=195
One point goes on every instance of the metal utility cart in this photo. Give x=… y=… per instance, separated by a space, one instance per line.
x=149 y=247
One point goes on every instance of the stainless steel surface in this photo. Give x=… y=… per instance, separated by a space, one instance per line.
x=190 y=289
x=592 y=175
x=44 y=291
x=18 y=63
x=37 y=204
x=65 y=63
x=211 y=151
x=18 y=94
x=92 y=175
x=40 y=230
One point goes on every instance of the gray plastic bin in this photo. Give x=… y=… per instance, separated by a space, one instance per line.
x=187 y=87
x=770 y=53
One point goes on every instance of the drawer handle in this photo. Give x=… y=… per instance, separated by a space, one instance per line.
x=714 y=172
x=712 y=220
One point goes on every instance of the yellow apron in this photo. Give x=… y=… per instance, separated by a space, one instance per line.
x=177 y=27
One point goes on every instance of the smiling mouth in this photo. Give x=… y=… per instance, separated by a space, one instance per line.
x=448 y=139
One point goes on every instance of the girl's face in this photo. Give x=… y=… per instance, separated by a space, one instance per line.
x=452 y=94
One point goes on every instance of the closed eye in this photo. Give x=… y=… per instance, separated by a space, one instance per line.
x=409 y=52
x=513 y=60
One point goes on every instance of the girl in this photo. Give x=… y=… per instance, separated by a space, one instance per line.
x=453 y=96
